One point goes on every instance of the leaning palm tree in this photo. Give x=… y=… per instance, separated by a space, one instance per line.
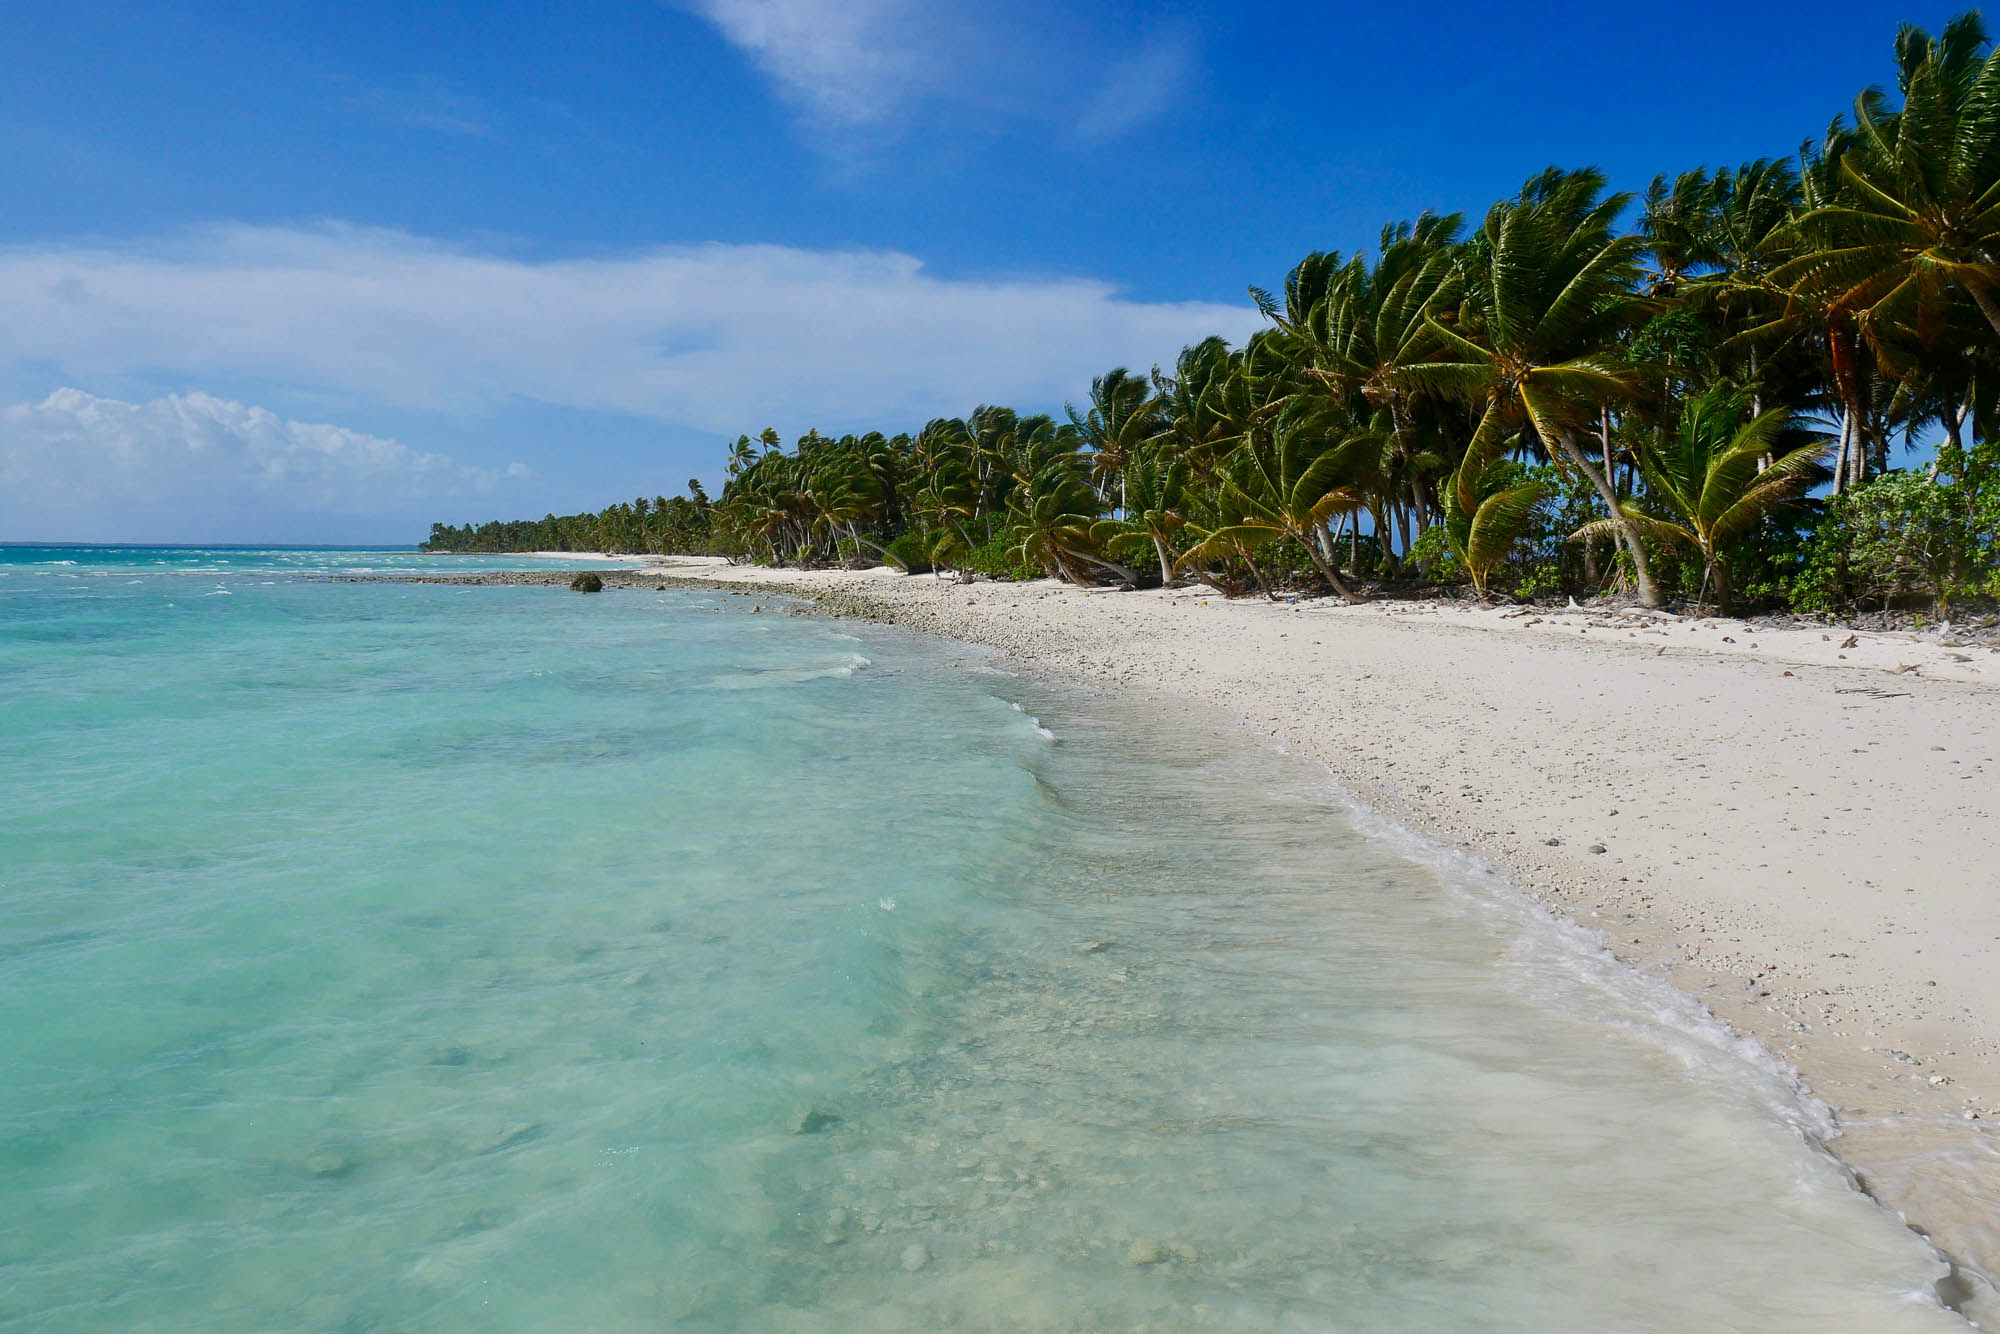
x=1050 y=523
x=1549 y=287
x=1917 y=220
x=1708 y=481
x=1366 y=326
x=1285 y=482
x=1488 y=507
x=1123 y=416
x=1679 y=224
x=741 y=455
x=1751 y=235
x=1156 y=486
x=1204 y=409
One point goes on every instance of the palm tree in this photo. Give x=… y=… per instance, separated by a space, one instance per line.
x=1050 y=525
x=1123 y=416
x=1918 y=218
x=1712 y=479
x=1750 y=237
x=1202 y=410
x=846 y=493
x=1366 y=327
x=1548 y=287
x=1488 y=507
x=1679 y=224
x=1285 y=482
x=1156 y=485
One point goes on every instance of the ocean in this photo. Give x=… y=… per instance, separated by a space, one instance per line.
x=380 y=956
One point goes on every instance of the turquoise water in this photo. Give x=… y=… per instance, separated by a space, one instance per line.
x=384 y=957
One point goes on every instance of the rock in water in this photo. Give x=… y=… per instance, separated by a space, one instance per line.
x=812 y=1120
x=586 y=583
x=1146 y=1251
x=915 y=1256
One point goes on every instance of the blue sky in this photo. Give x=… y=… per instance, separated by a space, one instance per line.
x=322 y=273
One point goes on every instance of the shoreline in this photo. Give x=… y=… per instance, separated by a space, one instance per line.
x=1787 y=825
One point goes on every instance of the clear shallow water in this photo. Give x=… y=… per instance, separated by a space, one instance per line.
x=390 y=957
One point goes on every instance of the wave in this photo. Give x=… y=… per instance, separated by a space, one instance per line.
x=1034 y=722
x=1569 y=968
x=770 y=677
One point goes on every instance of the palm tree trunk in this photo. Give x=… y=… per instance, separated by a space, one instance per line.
x=1844 y=354
x=1649 y=595
x=860 y=541
x=1123 y=572
x=1420 y=495
x=1328 y=573
x=1255 y=573
x=1987 y=306
x=1954 y=422
x=1166 y=562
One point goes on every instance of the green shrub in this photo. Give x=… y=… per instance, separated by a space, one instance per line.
x=1907 y=535
x=1431 y=553
x=914 y=550
x=999 y=559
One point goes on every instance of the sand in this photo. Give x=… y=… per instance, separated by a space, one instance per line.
x=1794 y=826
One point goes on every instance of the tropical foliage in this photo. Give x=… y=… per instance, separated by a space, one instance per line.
x=1695 y=393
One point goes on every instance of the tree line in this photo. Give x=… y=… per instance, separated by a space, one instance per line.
x=1704 y=405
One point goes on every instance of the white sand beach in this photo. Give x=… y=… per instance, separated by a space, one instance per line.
x=1794 y=826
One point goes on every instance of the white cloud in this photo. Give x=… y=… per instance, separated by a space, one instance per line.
x=856 y=67
x=1140 y=88
x=848 y=62
x=76 y=466
x=717 y=338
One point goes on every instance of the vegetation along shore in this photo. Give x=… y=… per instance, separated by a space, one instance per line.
x=1708 y=406
x=1767 y=389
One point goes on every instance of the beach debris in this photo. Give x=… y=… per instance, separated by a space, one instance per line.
x=1597 y=847
x=1851 y=641
x=1553 y=842
x=587 y=582
x=915 y=1256
x=1095 y=946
